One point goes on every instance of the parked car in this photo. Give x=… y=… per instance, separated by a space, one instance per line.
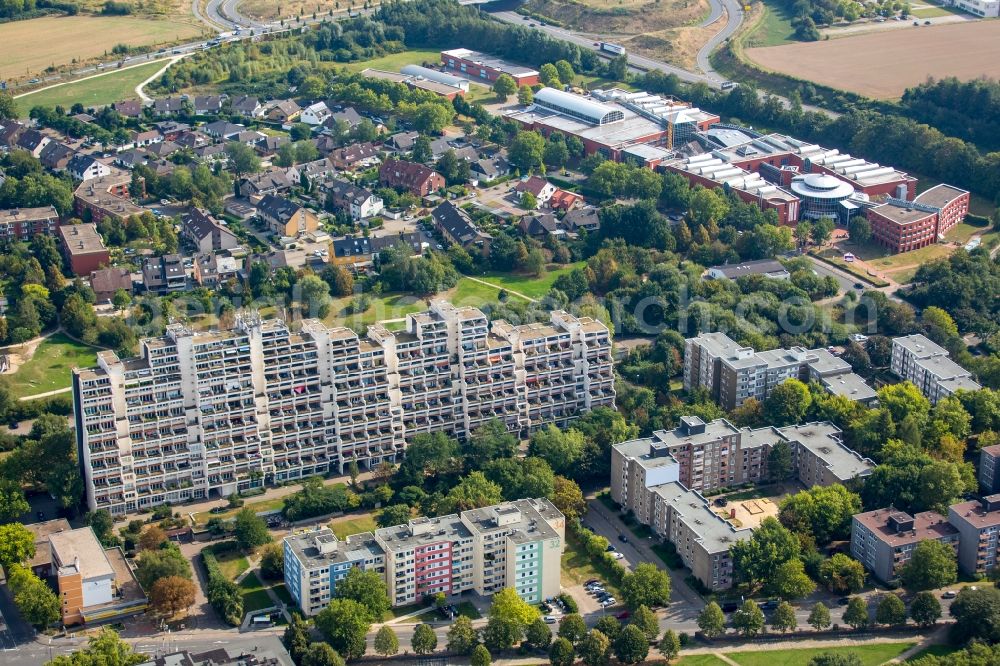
x=592 y=581
x=949 y=594
x=624 y=615
x=730 y=606
x=843 y=601
x=623 y=538
x=617 y=556
x=770 y=604
x=610 y=601
x=549 y=619
x=611 y=548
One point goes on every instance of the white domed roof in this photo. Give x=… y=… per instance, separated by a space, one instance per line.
x=821 y=186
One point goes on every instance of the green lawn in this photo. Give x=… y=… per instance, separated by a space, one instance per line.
x=232 y=563
x=388 y=306
x=50 y=367
x=870 y=655
x=935 y=651
x=578 y=567
x=700 y=660
x=396 y=61
x=529 y=285
x=353 y=525
x=281 y=592
x=275 y=504
x=466 y=609
x=476 y=294
x=932 y=11
x=255 y=597
x=104 y=89
x=775 y=29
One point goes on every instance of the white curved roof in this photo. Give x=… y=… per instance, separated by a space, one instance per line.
x=821 y=186
x=434 y=75
x=577 y=105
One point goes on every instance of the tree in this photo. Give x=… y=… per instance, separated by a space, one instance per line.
x=528 y=201
x=860 y=230
x=394 y=514
x=595 y=648
x=314 y=296
x=424 y=639
x=670 y=644
x=561 y=653
x=17 y=544
x=490 y=441
x=890 y=610
x=296 y=637
x=241 y=159
x=367 y=588
x=321 y=654
x=711 y=620
x=504 y=87
x=526 y=150
x=787 y=404
x=819 y=616
x=538 y=635
x=105 y=648
x=631 y=646
x=824 y=512
x=835 y=658
x=462 y=637
x=568 y=498
x=422 y=151
x=572 y=628
x=562 y=449
x=502 y=633
x=549 y=75
x=556 y=153
x=841 y=574
x=37 y=604
x=272 y=562
x=821 y=230
x=152 y=538
x=480 y=656
x=472 y=492
x=250 y=530
x=925 y=609
x=565 y=69
x=508 y=605
x=103 y=525
x=171 y=596
x=646 y=620
x=647 y=585
x=525 y=96
x=856 y=614
x=155 y=564
x=779 y=459
x=790 y=581
x=977 y=615
x=784 y=618
x=12 y=501
x=755 y=559
x=8 y=107
x=610 y=626
x=749 y=619
x=345 y=623
x=932 y=565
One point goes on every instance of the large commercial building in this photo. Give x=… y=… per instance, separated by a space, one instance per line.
x=511 y=545
x=94 y=583
x=660 y=478
x=481 y=67
x=902 y=225
x=926 y=364
x=984 y=8
x=733 y=374
x=883 y=540
x=210 y=413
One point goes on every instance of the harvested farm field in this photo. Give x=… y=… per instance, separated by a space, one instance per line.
x=884 y=64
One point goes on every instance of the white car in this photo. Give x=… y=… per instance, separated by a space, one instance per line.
x=549 y=619
x=611 y=601
x=949 y=594
x=617 y=556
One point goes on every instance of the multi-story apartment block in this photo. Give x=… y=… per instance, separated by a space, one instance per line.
x=708 y=456
x=733 y=374
x=202 y=413
x=883 y=540
x=989 y=469
x=926 y=364
x=515 y=544
x=315 y=561
x=660 y=479
x=978 y=524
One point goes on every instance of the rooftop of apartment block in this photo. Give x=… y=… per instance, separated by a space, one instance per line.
x=980 y=513
x=823 y=440
x=850 y=386
x=715 y=534
x=898 y=528
x=919 y=345
x=422 y=531
x=79 y=552
x=319 y=548
x=523 y=520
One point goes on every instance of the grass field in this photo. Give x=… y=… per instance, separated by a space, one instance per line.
x=281 y=592
x=344 y=527
x=870 y=655
x=232 y=563
x=389 y=306
x=96 y=91
x=775 y=29
x=577 y=567
x=395 y=61
x=700 y=660
x=936 y=651
x=927 y=10
x=884 y=63
x=255 y=597
x=529 y=285
x=275 y=504
x=50 y=367
x=31 y=46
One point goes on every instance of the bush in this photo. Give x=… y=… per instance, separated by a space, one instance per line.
x=222 y=593
x=570 y=602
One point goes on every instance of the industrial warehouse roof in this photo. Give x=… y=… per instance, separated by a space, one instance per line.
x=578 y=106
x=489 y=61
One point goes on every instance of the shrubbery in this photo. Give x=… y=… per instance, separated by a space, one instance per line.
x=222 y=593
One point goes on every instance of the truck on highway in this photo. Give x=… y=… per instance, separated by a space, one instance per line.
x=608 y=47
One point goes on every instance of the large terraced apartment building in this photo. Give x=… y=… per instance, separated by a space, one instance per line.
x=202 y=414
x=516 y=544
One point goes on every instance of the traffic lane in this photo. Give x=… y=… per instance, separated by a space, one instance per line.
x=824 y=270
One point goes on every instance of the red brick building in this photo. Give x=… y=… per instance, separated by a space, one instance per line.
x=23 y=223
x=84 y=248
x=485 y=68
x=107 y=196
x=418 y=179
x=901 y=226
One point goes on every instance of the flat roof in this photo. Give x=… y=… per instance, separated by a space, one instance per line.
x=939 y=196
x=82 y=238
x=526 y=519
x=42 y=531
x=631 y=129
x=974 y=514
x=309 y=548
x=421 y=531
x=943 y=368
x=823 y=440
x=926 y=525
x=850 y=386
x=894 y=212
x=490 y=61
x=959 y=383
x=714 y=533
x=919 y=345
x=756 y=267
x=79 y=551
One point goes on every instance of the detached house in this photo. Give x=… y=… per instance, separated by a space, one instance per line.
x=539 y=187
x=85 y=167
x=32 y=141
x=315 y=114
x=56 y=156
x=355 y=156
x=286 y=218
x=208 y=104
x=358 y=202
x=418 y=179
x=247 y=106
x=267 y=182
x=456 y=225
x=207 y=234
x=130 y=108
x=283 y=111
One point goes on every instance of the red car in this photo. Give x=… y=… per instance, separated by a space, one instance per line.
x=624 y=615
